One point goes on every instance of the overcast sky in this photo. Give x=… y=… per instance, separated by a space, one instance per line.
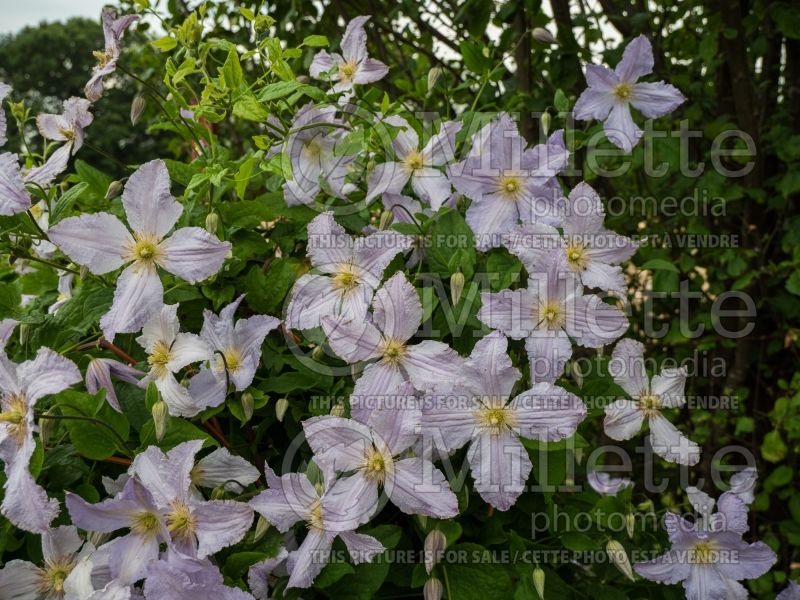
x=18 y=13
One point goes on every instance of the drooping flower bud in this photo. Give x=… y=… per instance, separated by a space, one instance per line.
x=84 y=272
x=630 y=524
x=262 y=526
x=281 y=406
x=433 y=77
x=387 y=217
x=160 y=412
x=24 y=333
x=540 y=34
x=619 y=558
x=546 y=120
x=248 y=405
x=456 y=287
x=114 y=190
x=212 y=222
x=137 y=108
x=434 y=546
x=218 y=493
x=538 y=581
x=433 y=589
x=46 y=427
x=318 y=353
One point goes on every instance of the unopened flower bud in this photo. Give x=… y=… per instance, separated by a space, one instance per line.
x=281 y=406
x=435 y=543
x=248 y=405
x=318 y=353
x=137 y=108
x=84 y=272
x=630 y=524
x=619 y=558
x=538 y=581
x=546 y=120
x=46 y=427
x=218 y=493
x=456 y=287
x=337 y=410
x=24 y=333
x=433 y=589
x=485 y=51
x=160 y=414
x=646 y=506
x=114 y=190
x=262 y=526
x=212 y=222
x=97 y=538
x=433 y=77
x=387 y=217
x=577 y=375
x=540 y=34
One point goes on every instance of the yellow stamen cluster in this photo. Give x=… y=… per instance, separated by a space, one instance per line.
x=623 y=91
x=577 y=258
x=103 y=57
x=393 y=351
x=145 y=251
x=650 y=404
x=347 y=71
x=346 y=278
x=181 y=523
x=68 y=134
x=14 y=415
x=704 y=552
x=413 y=161
x=315 y=517
x=495 y=419
x=53 y=576
x=312 y=148
x=233 y=359
x=510 y=186
x=145 y=524
x=377 y=464
x=158 y=359
x=552 y=315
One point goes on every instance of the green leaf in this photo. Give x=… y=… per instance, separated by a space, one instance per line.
x=243 y=176
x=232 y=70
x=474 y=60
x=248 y=107
x=560 y=101
x=315 y=41
x=10 y=298
x=474 y=576
x=793 y=283
x=276 y=91
x=93 y=440
x=659 y=264
x=773 y=449
x=165 y=44
x=66 y=201
x=178 y=431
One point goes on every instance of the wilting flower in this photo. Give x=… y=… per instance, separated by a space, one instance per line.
x=604 y=484
x=98 y=376
x=237 y=350
x=336 y=511
x=168 y=351
x=198 y=527
x=311 y=146
x=69 y=125
x=478 y=410
x=353 y=66
x=592 y=252
x=5 y=90
x=373 y=453
x=103 y=244
x=396 y=315
x=179 y=577
x=25 y=503
x=548 y=313
x=134 y=509
x=411 y=162
x=611 y=94
x=624 y=418
x=113 y=30
x=62 y=548
x=351 y=268
x=258 y=577
x=221 y=468
x=709 y=555
x=507 y=183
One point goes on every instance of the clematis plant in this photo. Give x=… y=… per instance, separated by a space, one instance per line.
x=103 y=244
x=69 y=125
x=113 y=31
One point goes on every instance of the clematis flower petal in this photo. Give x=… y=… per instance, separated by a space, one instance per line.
x=14 y=198
x=668 y=568
x=669 y=385
x=377 y=378
x=289 y=499
x=752 y=560
x=138 y=296
x=637 y=60
x=314 y=297
x=223 y=468
x=623 y=419
x=430 y=363
x=627 y=367
x=48 y=373
x=547 y=412
x=337 y=442
x=98 y=241
x=193 y=254
x=362 y=548
x=354 y=41
x=657 y=99
x=5 y=90
x=604 y=484
x=149 y=206
x=329 y=245
x=323 y=63
x=510 y=311
x=489 y=370
x=385 y=178
x=98 y=376
x=374 y=252
x=489 y=218
x=184 y=578
x=26 y=503
x=352 y=340
x=259 y=574
x=500 y=466
x=220 y=523
x=7 y=327
x=369 y=71
x=548 y=352
x=397 y=310
x=620 y=128
x=743 y=484
x=305 y=563
x=432 y=186
x=208 y=389
x=187 y=348
x=418 y=488
x=441 y=148
x=20 y=580
x=670 y=444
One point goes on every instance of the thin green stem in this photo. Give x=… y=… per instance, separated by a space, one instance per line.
x=117 y=437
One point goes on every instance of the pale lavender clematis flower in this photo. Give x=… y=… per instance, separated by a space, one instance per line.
x=375 y=454
x=335 y=511
x=221 y=468
x=592 y=252
x=415 y=164
x=624 y=418
x=62 y=549
x=350 y=270
x=98 y=376
x=14 y=198
x=260 y=574
x=7 y=327
x=169 y=351
x=604 y=484
x=611 y=94
x=709 y=555
x=548 y=314
x=507 y=183
x=85 y=583
x=64 y=288
x=69 y=125
x=353 y=66
x=113 y=30
x=103 y=244
x=743 y=484
x=397 y=314
x=179 y=577
x=479 y=411
x=5 y=90
x=25 y=503
x=790 y=593
x=198 y=527
x=311 y=145
x=237 y=350
x=134 y=509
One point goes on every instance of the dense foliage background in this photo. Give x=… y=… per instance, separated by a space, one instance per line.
x=738 y=63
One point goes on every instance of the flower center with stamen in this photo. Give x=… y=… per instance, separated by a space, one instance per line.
x=315 y=516
x=14 y=415
x=347 y=71
x=145 y=250
x=181 y=522
x=623 y=91
x=312 y=148
x=704 y=552
x=145 y=524
x=576 y=257
x=393 y=351
x=510 y=186
x=650 y=404
x=103 y=57
x=376 y=465
x=552 y=316
x=495 y=419
x=413 y=161
x=69 y=134
x=346 y=278
x=53 y=576
x=159 y=358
